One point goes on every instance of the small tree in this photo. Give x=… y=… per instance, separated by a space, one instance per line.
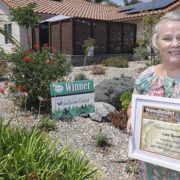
x=88 y=43
x=25 y=17
x=141 y=51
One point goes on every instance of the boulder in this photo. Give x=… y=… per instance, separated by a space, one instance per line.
x=110 y=90
x=101 y=111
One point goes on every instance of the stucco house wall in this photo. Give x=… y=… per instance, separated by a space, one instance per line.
x=140 y=25
x=18 y=33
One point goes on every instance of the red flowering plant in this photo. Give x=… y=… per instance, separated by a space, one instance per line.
x=4 y=89
x=36 y=46
x=32 y=73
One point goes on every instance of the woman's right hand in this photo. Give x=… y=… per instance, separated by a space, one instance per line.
x=129 y=126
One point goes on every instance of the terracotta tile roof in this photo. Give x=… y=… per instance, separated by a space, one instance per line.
x=76 y=8
x=82 y=9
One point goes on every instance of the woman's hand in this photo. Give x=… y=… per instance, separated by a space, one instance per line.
x=129 y=120
x=129 y=126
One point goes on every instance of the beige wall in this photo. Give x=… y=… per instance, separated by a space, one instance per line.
x=140 y=25
x=17 y=32
x=177 y=10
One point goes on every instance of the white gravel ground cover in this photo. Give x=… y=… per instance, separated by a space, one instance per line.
x=80 y=132
x=111 y=72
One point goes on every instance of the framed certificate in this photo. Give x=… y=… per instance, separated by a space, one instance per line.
x=155 y=135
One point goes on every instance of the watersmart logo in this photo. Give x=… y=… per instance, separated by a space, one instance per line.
x=58 y=88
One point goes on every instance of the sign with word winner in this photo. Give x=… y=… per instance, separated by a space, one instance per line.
x=72 y=98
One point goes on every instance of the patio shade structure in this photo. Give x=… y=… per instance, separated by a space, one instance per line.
x=67 y=34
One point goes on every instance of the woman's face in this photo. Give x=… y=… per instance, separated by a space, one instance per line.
x=169 y=42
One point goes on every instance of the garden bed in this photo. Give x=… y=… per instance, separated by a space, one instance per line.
x=81 y=132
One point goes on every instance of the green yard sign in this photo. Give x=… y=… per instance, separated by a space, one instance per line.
x=70 y=99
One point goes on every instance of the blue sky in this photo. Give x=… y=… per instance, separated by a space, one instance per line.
x=118 y=2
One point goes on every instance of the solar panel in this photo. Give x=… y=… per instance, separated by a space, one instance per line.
x=154 y=4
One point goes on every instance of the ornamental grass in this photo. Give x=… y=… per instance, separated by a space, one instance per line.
x=28 y=154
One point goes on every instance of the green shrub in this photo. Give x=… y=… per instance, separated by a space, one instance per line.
x=3 y=68
x=47 y=124
x=98 y=70
x=80 y=76
x=26 y=154
x=156 y=60
x=140 y=53
x=132 y=167
x=101 y=139
x=89 y=42
x=3 y=65
x=117 y=62
x=32 y=73
x=3 y=55
x=125 y=99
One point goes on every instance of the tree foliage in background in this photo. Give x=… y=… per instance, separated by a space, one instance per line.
x=144 y=47
x=96 y=1
x=88 y=43
x=130 y=2
x=108 y=2
x=26 y=17
x=149 y=21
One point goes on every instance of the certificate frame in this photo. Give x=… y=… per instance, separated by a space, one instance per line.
x=139 y=147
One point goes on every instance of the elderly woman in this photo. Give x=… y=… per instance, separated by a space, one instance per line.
x=161 y=80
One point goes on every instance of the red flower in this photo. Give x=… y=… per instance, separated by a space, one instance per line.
x=21 y=88
x=29 y=51
x=1 y=91
x=27 y=58
x=48 y=61
x=36 y=46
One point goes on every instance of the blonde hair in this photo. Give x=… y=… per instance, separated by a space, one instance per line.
x=171 y=16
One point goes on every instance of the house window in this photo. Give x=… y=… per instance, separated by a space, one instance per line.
x=8 y=29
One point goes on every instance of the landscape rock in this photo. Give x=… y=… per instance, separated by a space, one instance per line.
x=101 y=111
x=109 y=90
